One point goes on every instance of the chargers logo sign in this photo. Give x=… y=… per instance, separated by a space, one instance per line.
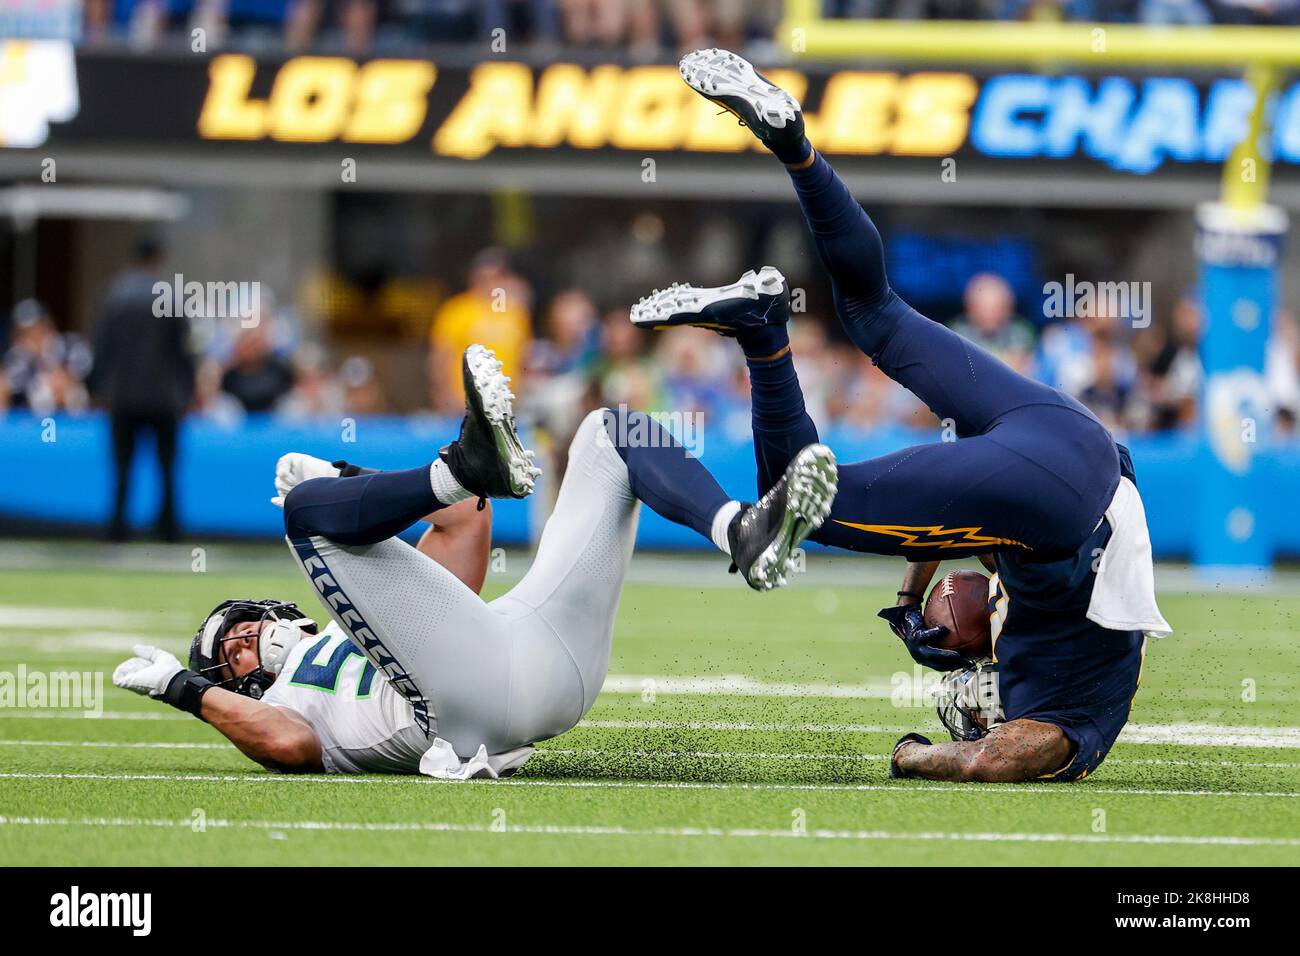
x=1133 y=125
x=1130 y=125
x=38 y=86
x=1235 y=401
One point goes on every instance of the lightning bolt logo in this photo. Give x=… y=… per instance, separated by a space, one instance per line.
x=935 y=535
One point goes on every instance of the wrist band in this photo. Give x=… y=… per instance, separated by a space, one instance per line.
x=185 y=692
x=347 y=470
x=911 y=594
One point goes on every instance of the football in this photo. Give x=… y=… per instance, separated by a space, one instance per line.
x=960 y=602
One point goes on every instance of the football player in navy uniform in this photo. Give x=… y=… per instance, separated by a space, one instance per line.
x=1033 y=480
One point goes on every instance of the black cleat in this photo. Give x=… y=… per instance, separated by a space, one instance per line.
x=894 y=772
x=752 y=301
x=763 y=536
x=773 y=115
x=488 y=459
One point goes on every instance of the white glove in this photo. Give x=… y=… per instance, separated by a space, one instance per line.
x=149 y=672
x=295 y=468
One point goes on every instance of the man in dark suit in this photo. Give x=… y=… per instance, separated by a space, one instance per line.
x=144 y=377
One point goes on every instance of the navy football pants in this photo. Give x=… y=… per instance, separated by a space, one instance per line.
x=1031 y=468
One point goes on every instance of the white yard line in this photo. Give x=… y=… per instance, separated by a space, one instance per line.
x=1210 y=735
x=44 y=616
x=27 y=713
x=41 y=644
x=621 y=831
x=122 y=744
x=413 y=780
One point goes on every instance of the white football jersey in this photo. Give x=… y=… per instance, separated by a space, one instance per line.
x=364 y=724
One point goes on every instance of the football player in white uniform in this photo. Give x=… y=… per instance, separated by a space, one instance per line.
x=416 y=672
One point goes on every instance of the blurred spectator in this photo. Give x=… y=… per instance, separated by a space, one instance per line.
x=97 y=21
x=43 y=371
x=1106 y=394
x=361 y=392
x=210 y=402
x=560 y=362
x=316 y=393
x=1168 y=13
x=439 y=21
x=990 y=321
x=570 y=337
x=624 y=374
x=696 y=369
x=144 y=375
x=867 y=398
x=256 y=376
x=1282 y=368
x=1065 y=352
x=1284 y=425
x=1175 y=373
x=494 y=311
x=347 y=25
x=1256 y=12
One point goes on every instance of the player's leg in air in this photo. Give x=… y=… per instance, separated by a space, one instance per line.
x=527 y=666
x=1011 y=481
x=1032 y=471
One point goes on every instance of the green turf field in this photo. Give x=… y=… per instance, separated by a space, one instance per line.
x=736 y=728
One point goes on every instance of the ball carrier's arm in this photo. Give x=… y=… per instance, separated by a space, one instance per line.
x=916 y=581
x=1013 y=752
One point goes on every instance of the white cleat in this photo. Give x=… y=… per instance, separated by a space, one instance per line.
x=733 y=83
x=488 y=458
x=754 y=300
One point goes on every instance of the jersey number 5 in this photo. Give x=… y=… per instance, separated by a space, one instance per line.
x=323 y=664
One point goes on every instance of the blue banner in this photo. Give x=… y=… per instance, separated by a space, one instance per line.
x=225 y=476
x=1239 y=255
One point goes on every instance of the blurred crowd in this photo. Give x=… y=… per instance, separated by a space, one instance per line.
x=575 y=357
x=571 y=353
x=640 y=28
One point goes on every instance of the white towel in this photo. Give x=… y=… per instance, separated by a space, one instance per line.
x=1124 y=594
x=441 y=761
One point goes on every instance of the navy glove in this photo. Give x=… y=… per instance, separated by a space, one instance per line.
x=907 y=621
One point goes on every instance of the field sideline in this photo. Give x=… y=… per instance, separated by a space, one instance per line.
x=735 y=728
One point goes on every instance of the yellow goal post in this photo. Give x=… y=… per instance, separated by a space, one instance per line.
x=1263 y=53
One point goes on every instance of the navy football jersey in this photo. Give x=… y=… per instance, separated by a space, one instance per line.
x=1053 y=663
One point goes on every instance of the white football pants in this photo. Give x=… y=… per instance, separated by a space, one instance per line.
x=509 y=672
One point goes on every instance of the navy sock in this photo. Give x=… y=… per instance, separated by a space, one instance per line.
x=366 y=509
x=764 y=341
x=671 y=482
x=788 y=153
x=780 y=420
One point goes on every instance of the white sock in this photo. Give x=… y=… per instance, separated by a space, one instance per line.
x=445 y=488
x=718 y=530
